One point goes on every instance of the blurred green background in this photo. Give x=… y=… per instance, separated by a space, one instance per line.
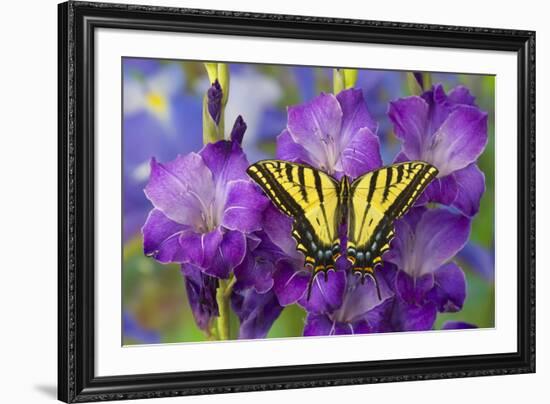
x=162 y=118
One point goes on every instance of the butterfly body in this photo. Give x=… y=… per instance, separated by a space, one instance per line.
x=321 y=205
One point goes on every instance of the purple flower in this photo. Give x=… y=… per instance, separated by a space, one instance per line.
x=256 y=312
x=275 y=263
x=239 y=127
x=201 y=292
x=344 y=305
x=450 y=132
x=204 y=206
x=214 y=97
x=420 y=270
x=335 y=134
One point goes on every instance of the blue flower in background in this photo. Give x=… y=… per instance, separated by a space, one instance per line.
x=305 y=81
x=159 y=119
x=132 y=329
x=379 y=88
x=480 y=259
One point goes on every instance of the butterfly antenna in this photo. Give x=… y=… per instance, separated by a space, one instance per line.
x=377 y=286
x=309 y=285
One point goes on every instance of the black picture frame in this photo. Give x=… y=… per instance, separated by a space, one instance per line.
x=77 y=23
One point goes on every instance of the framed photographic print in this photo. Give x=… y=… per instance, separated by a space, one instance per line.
x=254 y=202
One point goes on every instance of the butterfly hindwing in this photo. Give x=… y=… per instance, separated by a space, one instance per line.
x=310 y=197
x=377 y=199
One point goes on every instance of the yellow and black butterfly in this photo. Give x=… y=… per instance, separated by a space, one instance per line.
x=319 y=205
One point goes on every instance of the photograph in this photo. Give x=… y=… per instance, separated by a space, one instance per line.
x=253 y=201
x=288 y=201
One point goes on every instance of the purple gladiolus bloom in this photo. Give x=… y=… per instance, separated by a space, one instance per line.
x=204 y=206
x=450 y=132
x=420 y=269
x=335 y=134
x=346 y=306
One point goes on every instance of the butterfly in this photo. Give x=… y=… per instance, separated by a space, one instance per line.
x=319 y=205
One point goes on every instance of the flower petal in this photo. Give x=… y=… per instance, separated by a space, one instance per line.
x=441 y=190
x=318 y=324
x=231 y=253
x=257 y=268
x=355 y=114
x=226 y=161
x=287 y=149
x=257 y=312
x=470 y=188
x=362 y=297
x=361 y=155
x=404 y=234
x=244 y=207
x=423 y=247
x=181 y=188
x=161 y=238
x=315 y=123
x=376 y=320
x=278 y=227
x=440 y=108
x=201 y=292
x=411 y=317
x=326 y=295
x=413 y=290
x=290 y=283
x=199 y=249
x=461 y=95
x=460 y=139
x=449 y=292
x=410 y=116
x=440 y=234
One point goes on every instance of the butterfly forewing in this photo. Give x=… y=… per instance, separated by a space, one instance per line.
x=310 y=197
x=377 y=199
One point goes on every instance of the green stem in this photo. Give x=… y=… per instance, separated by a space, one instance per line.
x=222 y=297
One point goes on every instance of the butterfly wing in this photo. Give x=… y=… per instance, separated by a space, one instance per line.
x=310 y=197
x=377 y=199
